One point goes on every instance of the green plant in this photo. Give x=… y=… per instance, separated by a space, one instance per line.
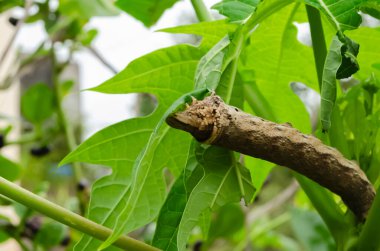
x=249 y=59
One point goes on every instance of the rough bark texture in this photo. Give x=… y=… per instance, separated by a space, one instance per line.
x=213 y=122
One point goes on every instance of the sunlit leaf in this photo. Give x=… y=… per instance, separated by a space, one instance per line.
x=208 y=182
x=148 y=190
x=118 y=146
x=277 y=58
x=146 y=11
x=210 y=66
x=236 y=10
x=211 y=32
x=216 y=188
x=369 y=55
x=341 y=13
x=371 y=7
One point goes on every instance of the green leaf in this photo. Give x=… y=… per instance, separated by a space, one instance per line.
x=328 y=90
x=211 y=32
x=368 y=239
x=236 y=10
x=217 y=187
x=210 y=67
x=148 y=190
x=371 y=7
x=146 y=11
x=37 y=103
x=171 y=212
x=311 y=231
x=166 y=73
x=87 y=9
x=116 y=146
x=340 y=63
x=7 y=4
x=228 y=220
x=349 y=65
x=8 y=169
x=277 y=58
x=87 y=36
x=369 y=39
x=342 y=14
x=50 y=234
x=259 y=170
x=209 y=181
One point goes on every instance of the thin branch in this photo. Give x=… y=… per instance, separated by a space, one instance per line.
x=102 y=59
x=60 y=214
x=213 y=122
x=15 y=33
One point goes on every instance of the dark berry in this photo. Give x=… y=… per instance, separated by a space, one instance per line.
x=66 y=241
x=197 y=246
x=40 y=151
x=82 y=185
x=32 y=226
x=2 y=140
x=13 y=21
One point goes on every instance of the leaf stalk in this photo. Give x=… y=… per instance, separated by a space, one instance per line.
x=64 y=216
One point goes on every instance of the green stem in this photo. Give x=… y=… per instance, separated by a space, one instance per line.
x=238 y=175
x=318 y=39
x=369 y=237
x=25 y=139
x=201 y=10
x=230 y=85
x=21 y=243
x=60 y=214
x=67 y=127
x=257 y=102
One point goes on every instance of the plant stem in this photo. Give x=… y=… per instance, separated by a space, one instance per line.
x=201 y=10
x=67 y=128
x=318 y=40
x=100 y=57
x=11 y=41
x=369 y=238
x=60 y=214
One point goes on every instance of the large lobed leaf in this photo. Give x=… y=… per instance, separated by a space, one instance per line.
x=167 y=73
x=273 y=59
x=208 y=182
